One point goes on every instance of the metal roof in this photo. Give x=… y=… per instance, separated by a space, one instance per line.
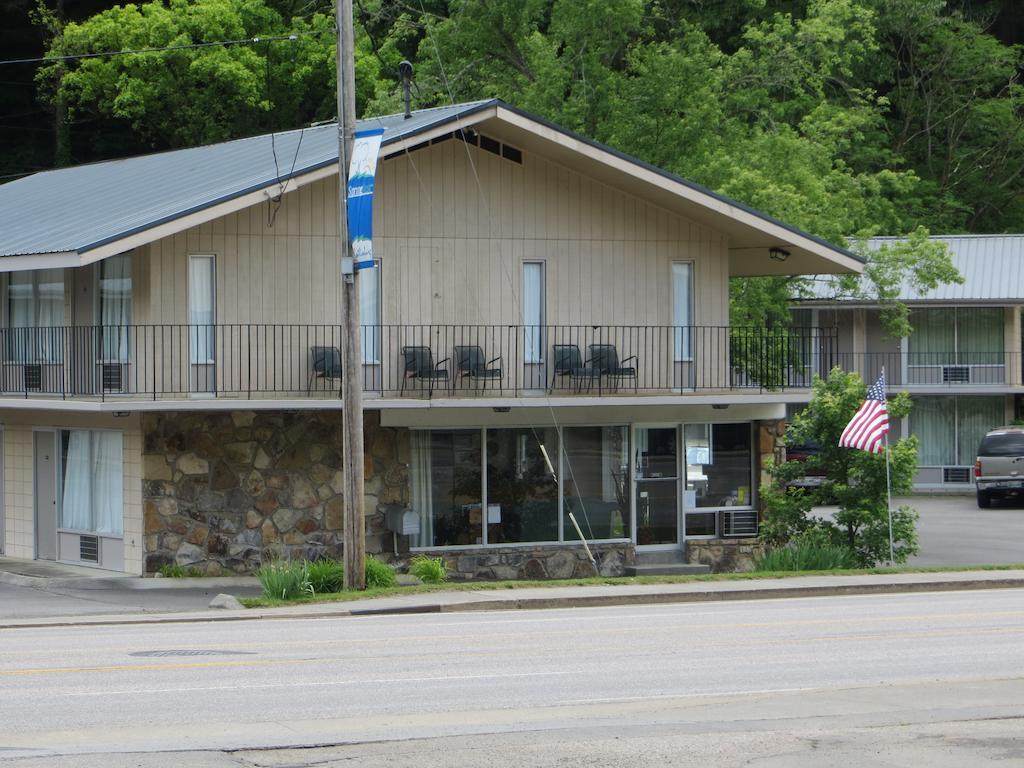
x=992 y=267
x=80 y=208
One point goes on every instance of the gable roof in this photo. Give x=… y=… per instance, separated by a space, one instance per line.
x=992 y=267
x=78 y=215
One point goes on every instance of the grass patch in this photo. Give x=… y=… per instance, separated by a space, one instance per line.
x=429 y=570
x=285 y=580
x=379 y=575
x=806 y=556
x=459 y=586
x=175 y=571
x=326 y=576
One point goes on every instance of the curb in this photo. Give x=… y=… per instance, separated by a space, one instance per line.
x=535 y=603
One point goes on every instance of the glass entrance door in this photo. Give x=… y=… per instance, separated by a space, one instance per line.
x=657 y=486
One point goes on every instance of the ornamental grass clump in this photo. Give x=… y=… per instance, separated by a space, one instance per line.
x=379 y=575
x=285 y=579
x=429 y=570
x=326 y=576
x=806 y=556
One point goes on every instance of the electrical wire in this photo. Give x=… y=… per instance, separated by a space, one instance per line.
x=290 y=37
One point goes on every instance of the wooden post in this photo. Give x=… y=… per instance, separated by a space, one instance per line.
x=351 y=347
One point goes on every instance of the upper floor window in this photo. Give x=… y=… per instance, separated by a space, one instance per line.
x=369 y=312
x=533 y=310
x=956 y=336
x=115 y=298
x=35 y=302
x=682 y=309
x=202 y=285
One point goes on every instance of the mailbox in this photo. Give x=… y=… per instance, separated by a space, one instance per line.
x=402 y=521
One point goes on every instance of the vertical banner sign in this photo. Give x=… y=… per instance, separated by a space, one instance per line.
x=361 y=174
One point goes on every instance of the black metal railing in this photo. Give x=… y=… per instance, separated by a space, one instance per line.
x=300 y=360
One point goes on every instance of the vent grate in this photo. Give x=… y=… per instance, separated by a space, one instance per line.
x=956 y=474
x=89 y=549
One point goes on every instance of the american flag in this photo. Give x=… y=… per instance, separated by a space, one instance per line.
x=871 y=422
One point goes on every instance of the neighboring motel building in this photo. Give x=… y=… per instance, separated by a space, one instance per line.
x=962 y=362
x=548 y=331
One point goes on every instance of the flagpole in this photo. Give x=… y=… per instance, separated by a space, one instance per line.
x=888 y=490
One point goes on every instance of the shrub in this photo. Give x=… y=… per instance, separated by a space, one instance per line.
x=175 y=571
x=326 y=576
x=379 y=574
x=285 y=580
x=429 y=570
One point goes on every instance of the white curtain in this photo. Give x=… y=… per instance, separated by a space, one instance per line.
x=201 y=307
x=116 y=306
x=979 y=332
x=682 y=308
x=933 y=340
x=533 y=311
x=93 y=497
x=51 y=314
x=975 y=417
x=421 y=473
x=21 y=314
x=75 y=510
x=369 y=313
x=108 y=483
x=932 y=419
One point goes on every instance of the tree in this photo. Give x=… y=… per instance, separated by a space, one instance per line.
x=854 y=480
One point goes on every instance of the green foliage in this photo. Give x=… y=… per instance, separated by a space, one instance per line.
x=285 y=580
x=812 y=550
x=175 y=571
x=326 y=576
x=854 y=480
x=379 y=575
x=429 y=570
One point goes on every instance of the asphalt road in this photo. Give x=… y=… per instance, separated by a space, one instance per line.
x=873 y=680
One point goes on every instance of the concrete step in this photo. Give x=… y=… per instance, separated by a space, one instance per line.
x=666 y=569
x=666 y=557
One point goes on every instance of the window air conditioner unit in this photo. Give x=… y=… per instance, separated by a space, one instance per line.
x=959 y=475
x=956 y=374
x=33 y=373
x=111 y=376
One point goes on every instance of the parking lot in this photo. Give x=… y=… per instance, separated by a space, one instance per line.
x=953 y=531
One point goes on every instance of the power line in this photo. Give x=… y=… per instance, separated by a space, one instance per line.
x=290 y=37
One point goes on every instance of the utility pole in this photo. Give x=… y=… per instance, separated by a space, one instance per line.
x=354 y=529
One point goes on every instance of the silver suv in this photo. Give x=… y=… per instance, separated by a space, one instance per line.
x=999 y=468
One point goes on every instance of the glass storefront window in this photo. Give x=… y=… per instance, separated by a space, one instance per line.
x=718 y=464
x=522 y=485
x=446 y=487
x=596 y=482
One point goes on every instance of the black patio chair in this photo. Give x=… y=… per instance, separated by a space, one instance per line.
x=471 y=363
x=418 y=364
x=605 y=359
x=568 y=362
x=324 y=363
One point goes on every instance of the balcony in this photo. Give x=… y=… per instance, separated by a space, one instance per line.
x=277 y=362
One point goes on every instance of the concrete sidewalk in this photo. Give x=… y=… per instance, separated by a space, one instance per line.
x=544 y=597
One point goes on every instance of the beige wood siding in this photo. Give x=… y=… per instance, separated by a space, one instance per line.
x=454 y=225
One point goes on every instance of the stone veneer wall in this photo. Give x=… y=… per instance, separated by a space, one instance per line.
x=226 y=491
x=724 y=555
x=540 y=561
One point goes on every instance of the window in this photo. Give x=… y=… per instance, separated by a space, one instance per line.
x=719 y=471
x=956 y=336
x=950 y=427
x=533 y=310
x=115 y=297
x=35 y=304
x=522 y=485
x=682 y=309
x=596 y=482
x=447 y=489
x=202 y=308
x=369 y=312
x=92 y=469
x=501 y=486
